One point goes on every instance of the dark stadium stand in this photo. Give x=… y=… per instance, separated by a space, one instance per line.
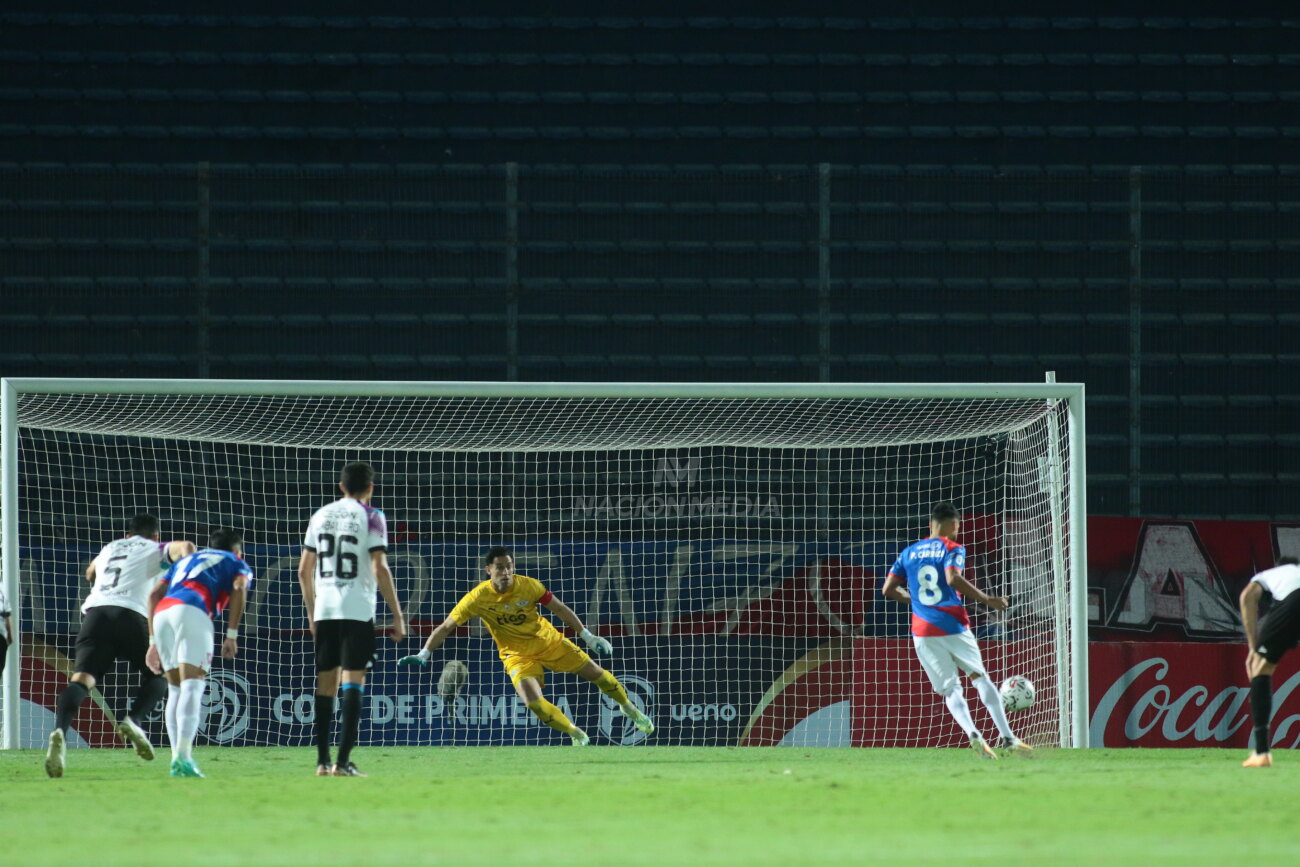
x=634 y=89
x=669 y=208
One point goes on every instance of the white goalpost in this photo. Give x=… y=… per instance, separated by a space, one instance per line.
x=730 y=539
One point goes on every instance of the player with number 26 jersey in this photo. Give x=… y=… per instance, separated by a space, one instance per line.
x=937 y=608
x=343 y=535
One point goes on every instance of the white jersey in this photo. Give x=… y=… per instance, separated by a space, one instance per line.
x=1280 y=580
x=343 y=535
x=125 y=571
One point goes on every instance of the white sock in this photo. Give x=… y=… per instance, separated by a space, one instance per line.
x=189 y=710
x=173 y=730
x=993 y=701
x=961 y=712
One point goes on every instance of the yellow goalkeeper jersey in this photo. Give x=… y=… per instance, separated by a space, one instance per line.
x=511 y=617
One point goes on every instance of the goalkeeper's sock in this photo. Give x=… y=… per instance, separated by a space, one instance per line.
x=993 y=701
x=1261 y=708
x=552 y=716
x=173 y=728
x=608 y=684
x=324 y=727
x=189 y=712
x=350 y=701
x=961 y=712
x=67 y=705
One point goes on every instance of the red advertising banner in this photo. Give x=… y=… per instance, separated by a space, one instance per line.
x=1157 y=694
x=1167 y=580
x=873 y=693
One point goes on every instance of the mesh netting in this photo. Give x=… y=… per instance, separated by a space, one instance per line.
x=731 y=548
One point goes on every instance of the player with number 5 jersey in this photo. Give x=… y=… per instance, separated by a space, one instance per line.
x=115 y=625
x=932 y=570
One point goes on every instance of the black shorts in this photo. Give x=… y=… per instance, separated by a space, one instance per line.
x=4 y=653
x=1280 y=629
x=109 y=633
x=349 y=644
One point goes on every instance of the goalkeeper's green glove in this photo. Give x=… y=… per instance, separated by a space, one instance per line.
x=595 y=643
x=421 y=659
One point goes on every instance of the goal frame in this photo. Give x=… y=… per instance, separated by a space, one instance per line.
x=1076 y=620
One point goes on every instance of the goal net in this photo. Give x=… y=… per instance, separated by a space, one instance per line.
x=730 y=540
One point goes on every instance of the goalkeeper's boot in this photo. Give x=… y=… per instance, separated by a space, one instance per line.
x=643 y=722
x=135 y=736
x=346 y=770
x=1017 y=747
x=982 y=748
x=57 y=755
x=1258 y=760
x=579 y=737
x=323 y=771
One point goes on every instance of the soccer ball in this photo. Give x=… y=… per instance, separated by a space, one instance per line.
x=452 y=680
x=1017 y=693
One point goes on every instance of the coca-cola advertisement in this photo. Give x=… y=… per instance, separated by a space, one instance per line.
x=870 y=692
x=1157 y=694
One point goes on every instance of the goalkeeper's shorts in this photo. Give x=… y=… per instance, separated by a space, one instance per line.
x=563 y=656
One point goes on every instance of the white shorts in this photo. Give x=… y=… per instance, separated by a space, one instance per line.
x=942 y=655
x=183 y=634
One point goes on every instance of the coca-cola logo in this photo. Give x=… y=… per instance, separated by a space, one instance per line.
x=1141 y=708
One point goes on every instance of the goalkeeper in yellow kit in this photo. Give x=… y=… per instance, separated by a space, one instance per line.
x=528 y=644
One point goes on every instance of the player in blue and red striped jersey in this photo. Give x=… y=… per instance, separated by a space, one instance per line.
x=932 y=571
x=197 y=588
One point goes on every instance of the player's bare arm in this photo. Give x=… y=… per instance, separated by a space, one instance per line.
x=895 y=588
x=90 y=572
x=1249 y=605
x=565 y=613
x=238 y=598
x=594 y=642
x=384 y=578
x=180 y=548
x=151 y=656
x=957 y=581
x=434 y=641
x=307 y=583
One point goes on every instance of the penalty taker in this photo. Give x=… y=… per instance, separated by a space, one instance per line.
x=528 y=644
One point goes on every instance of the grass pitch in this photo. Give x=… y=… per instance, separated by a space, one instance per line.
x=651 y=805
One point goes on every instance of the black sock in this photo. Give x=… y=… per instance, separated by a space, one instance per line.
x=153 y=688
x=1261 y=708
x=68 y=704
x=350 y=701
x=324 y=725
